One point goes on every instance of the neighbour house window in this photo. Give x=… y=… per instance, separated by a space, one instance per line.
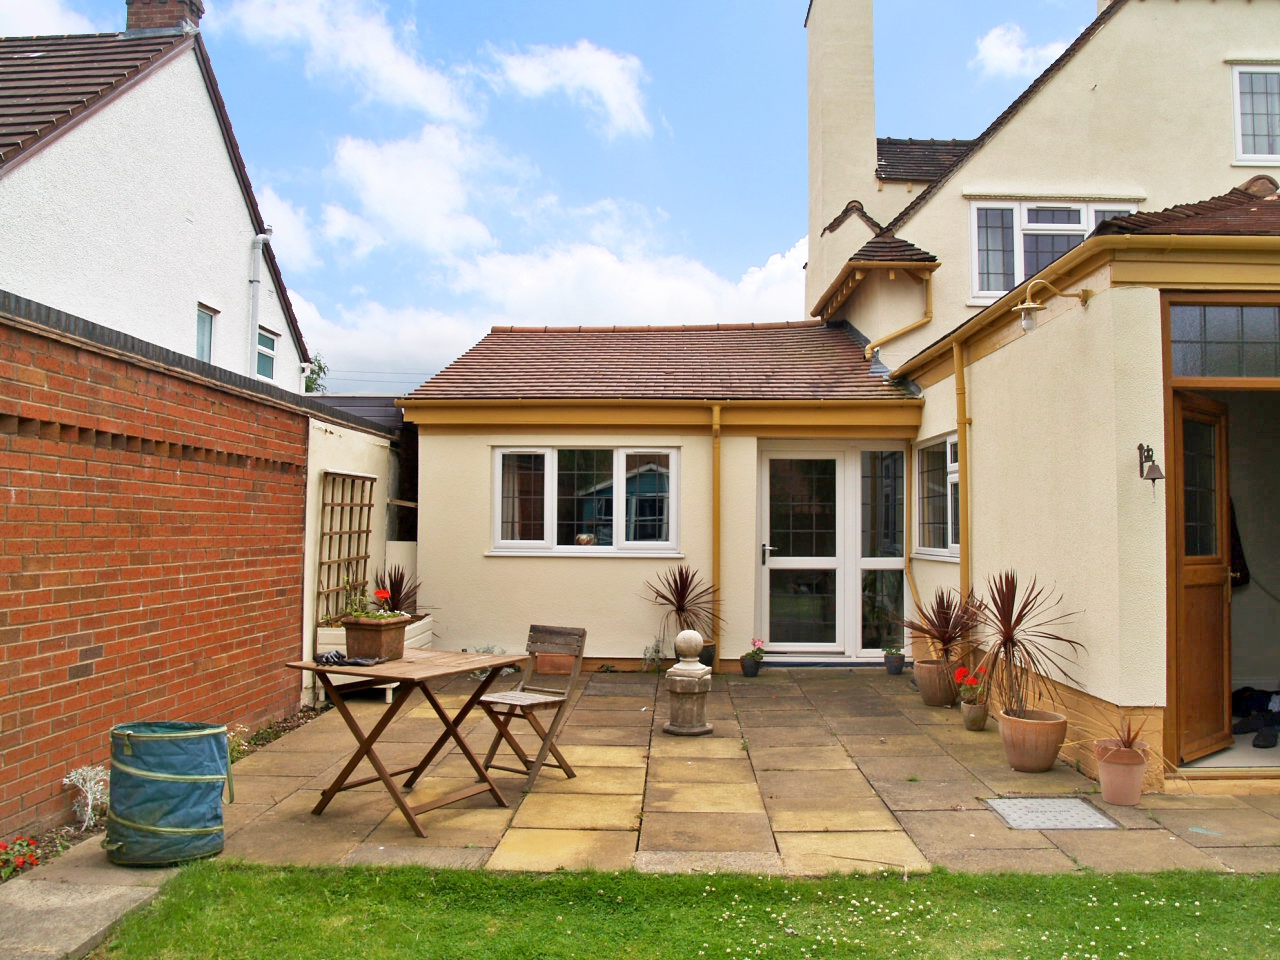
x=938 y=470
x=346 y=522
x=1013 y=241
x=266 y=353
x=582 y=498
x=1225 y=339
x=204 y=333
x=1257 y=90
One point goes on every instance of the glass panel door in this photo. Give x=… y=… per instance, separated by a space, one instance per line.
x=801 y=555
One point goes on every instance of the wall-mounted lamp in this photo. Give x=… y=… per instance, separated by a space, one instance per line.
x=1148 y=469
x=1029 y=308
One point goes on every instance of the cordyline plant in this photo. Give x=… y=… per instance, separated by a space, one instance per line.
x=400 y=587
x=1021 y=643
x=946 y=625
x=690 y=603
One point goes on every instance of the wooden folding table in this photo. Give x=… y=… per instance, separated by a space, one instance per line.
x=413 y=672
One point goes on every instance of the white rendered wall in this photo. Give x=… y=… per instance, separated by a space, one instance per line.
x=1158 y=127
x=135 y=216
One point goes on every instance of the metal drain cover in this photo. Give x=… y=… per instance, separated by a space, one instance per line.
x=1043 y=813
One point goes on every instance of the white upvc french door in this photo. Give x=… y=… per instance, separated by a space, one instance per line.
x=831 y=560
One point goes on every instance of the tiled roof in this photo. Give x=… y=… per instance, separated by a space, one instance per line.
x=851 y=209
x=1252 y=209
x=891 y=249
x=45 y=82
x=917 y=160
x=1010 y=112
x=776 y=361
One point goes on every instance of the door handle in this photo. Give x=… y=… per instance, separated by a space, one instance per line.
x=765 y=550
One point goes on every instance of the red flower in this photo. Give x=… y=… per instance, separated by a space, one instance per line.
x=961 y=673
x=982 y=670
x=971 y=681
x=3 y=846
x=20 y=862
x=34 y=861
x=383 y=595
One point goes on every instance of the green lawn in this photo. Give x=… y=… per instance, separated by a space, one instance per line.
x=218 y=909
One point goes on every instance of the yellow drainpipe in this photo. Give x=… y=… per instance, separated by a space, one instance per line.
x=874 y=345
x=962 y=441
x=715 y=523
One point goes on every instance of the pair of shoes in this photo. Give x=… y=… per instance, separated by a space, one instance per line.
x=1265 y=739
x=1249 y=724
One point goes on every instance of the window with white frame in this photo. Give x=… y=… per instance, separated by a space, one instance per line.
x=573 y=499
x=1015 y=240
x=1257 y=98
x=266 y=353
x=204 y=333
x=938 y=475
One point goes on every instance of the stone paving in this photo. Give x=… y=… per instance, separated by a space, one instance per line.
x=808 y=771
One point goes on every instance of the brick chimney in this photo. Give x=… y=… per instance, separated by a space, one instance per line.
x=163 y=14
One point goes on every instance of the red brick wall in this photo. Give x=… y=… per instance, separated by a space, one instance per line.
x=150 y=14
x=151 y=538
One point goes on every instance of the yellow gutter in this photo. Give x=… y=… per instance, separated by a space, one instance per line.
x=962 y=442
x=715 y=525
x=874 y=345
x=1094 y=248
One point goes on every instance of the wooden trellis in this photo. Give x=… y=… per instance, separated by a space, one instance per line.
x=346 y=521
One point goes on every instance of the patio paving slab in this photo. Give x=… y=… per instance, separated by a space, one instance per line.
x=1059 y=781
x=700 y=770
x=592 y=780
x=1267 y=804
x=817 y=854
x=433 y=858
x=815 y=736
x=291 y=763
x=578 y=812
x=963 y=793
x=801 y=758
x=830 y=785
x=1247 y=859
x=671 y=861
x=901 y=769
x=799 y=815
x=1039 y=860
x=750 y=718
x=1218 y=827
x=604 y=736
x=1191 y=801
x=301 y=845
x=1119 y=850
x=549 y=850
x=616 y=702
x=264 y=789
x=723 y=832
x=596 y=755
x=891 y=745
x=703 y=798
x=893 y=724
x=610 y=718
x=851 y=720
x=44 y=920
x=708 y=747
x=935 y=831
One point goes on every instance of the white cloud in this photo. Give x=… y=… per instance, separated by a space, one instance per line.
x=350 y=39
x=1003 y=52
x=290 y=233
x=25 y=18
x=579 y=285
x=343 y=226
x=417 y=190
x=606 y=83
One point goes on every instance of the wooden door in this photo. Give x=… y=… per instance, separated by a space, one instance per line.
x=1200 y=652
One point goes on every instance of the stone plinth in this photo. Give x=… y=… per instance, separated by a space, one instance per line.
x=688 y=684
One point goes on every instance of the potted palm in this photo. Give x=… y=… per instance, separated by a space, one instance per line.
x=374 y=630
x=1023 y=651
x=1122 y=764
x=689 y=604
x=944 y=625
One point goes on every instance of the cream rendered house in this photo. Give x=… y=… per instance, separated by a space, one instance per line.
x=820 y=516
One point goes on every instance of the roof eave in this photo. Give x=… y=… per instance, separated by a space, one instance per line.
x=834 y=297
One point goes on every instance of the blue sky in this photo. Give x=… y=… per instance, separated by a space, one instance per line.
x=433 y=169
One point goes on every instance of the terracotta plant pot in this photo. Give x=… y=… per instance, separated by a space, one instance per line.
x=975 y=715
x=1031 y=742
x=375 y=637
x=1120 y=770
x=933 y=679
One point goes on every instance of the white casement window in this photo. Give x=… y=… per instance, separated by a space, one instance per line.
x=267 y=353
x=1257 y=110
x=204 y=333
x=938 y=490
x=584 y=499
x=1015 y=240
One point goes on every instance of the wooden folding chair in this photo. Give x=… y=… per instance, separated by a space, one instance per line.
x=555 y=660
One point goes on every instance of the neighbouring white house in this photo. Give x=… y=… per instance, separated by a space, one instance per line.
x=916 y=433
x=124 y=197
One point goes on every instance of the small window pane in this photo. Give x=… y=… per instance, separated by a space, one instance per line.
x=955 y=513
x=584 y=495
x=882 y=503
x=933 y=497
x=1199 y=442
x=648 y=483
x=802 y=507
x=1261 y=324
x=523 y=496
x=995 y=249
x=1225 y=340
x=1260 y=113
x=266 y=340
x=1066 y=215
x=266 y=366
x=882 y=612
x=204 y=335
x=1041 y=249
x=1186 y=322
x=1100 y=215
